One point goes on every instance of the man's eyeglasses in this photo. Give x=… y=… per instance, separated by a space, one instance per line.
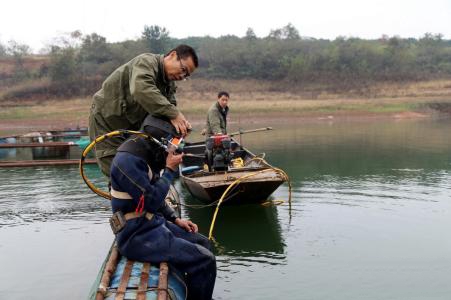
x=185 y=71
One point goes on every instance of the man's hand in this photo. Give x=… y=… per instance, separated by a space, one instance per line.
x=186 y=224
x=173 y=160
x=181 y=124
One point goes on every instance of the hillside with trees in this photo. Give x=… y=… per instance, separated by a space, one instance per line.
x=76 y=64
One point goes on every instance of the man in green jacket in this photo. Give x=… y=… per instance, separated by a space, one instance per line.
x=217 y=115
x=144 y=85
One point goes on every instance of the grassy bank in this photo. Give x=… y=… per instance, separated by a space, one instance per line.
x=252 y=100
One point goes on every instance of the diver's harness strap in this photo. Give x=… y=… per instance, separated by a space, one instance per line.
x=118 y=220
x=134 y=215
x=120 y=195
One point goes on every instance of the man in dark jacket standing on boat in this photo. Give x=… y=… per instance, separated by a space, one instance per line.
x=151 y=231
x=144 y=85
x=217 y=115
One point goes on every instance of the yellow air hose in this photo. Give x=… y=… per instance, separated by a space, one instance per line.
x=89 y=148
x=229 y=188
x=236 y=182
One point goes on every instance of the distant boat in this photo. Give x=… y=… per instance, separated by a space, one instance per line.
x=42 y=148
x=206 y=176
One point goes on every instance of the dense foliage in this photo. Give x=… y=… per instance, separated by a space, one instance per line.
x=78 y=63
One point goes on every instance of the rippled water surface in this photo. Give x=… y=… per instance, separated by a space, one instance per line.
x=370 y=219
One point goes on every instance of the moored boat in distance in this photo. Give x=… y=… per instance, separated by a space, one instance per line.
x=209 y=169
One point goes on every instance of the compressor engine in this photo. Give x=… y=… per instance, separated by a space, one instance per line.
x=218 y=152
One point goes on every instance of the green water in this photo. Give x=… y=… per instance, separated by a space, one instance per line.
x=370 y=219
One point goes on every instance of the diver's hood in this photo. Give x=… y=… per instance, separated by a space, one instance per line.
x=159 y=128
x=149 y=151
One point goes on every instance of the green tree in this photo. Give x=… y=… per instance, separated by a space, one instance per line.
x=63 y=65
x=94 y=49
x=429 y=52
x=157 y=38
x=250 y=34
x=287 y=32
x=2 y=50
x=18 y=52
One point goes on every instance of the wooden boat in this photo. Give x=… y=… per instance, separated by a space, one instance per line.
x=120 y=278
x=257 y=179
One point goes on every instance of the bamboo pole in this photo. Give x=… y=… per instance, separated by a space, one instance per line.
x=250 y=130
x=110 y=268
x=50 y=162
x=163 y=282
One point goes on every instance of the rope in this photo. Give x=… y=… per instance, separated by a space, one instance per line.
x=237 y=181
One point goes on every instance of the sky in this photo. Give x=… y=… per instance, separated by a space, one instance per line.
x=38 y=22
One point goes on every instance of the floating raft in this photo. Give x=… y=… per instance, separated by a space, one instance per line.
x=50 y=162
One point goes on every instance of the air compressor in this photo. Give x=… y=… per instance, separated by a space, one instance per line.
x=218 y=152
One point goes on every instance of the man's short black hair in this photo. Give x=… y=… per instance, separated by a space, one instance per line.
x=223 y=93
x=184 y=51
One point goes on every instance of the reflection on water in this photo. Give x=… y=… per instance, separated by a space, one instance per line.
x=250 y=233
x=369 y=219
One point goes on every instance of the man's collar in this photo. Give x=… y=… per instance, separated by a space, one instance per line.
x=220 y=107
x=163 y=72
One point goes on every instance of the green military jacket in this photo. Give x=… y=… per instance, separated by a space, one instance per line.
x=132 y=91
x=217 y=119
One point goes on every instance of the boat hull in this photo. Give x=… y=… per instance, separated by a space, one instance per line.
x=245 y=192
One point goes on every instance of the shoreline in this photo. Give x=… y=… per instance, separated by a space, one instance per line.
x=21 y=126
x=252 y=106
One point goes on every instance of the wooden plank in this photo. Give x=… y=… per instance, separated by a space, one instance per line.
x=66 y=135
x=120 y=294
x=142 y=288
x=50 y=162
x=36 y=145
x=53 y=133
x=163 y=282
x=110 y=268
x=44 y=136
